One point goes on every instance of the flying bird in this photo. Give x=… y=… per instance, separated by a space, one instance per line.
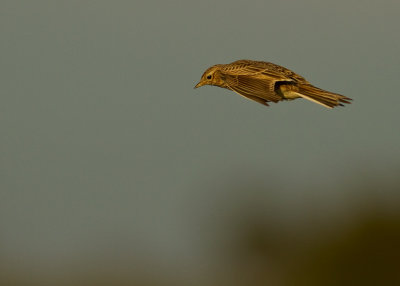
x=265 y=82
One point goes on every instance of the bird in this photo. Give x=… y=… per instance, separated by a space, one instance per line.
x=266 y=82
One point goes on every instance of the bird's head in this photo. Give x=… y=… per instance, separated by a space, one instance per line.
x=212 y=76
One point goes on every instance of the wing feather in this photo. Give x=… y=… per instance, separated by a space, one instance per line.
x=249 y=86
x=262 y=69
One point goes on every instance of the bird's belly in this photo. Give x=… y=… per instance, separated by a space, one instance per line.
x=288 y=91
x=290 y=95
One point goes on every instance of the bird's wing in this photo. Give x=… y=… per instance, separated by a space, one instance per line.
x=257 y=99
x=262 y=69
x=252 y=87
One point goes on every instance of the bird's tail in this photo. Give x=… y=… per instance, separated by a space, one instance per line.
x=320 y=96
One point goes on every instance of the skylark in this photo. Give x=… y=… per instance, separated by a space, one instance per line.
x=264 y=82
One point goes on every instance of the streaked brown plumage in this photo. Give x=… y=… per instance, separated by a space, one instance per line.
x=264 y=82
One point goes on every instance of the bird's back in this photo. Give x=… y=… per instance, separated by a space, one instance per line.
x=249 y=67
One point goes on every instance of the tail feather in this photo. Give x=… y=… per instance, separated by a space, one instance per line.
x=323 y=97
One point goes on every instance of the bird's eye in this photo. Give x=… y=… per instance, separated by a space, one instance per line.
x=209 y=76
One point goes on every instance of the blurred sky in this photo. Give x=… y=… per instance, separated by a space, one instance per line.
x=105 y=141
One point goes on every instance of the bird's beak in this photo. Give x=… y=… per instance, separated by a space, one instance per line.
x=199 y=84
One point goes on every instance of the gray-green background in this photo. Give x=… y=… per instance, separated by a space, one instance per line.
x=105 y=145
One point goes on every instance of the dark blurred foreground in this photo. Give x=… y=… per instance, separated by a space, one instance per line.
x=360 y=247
